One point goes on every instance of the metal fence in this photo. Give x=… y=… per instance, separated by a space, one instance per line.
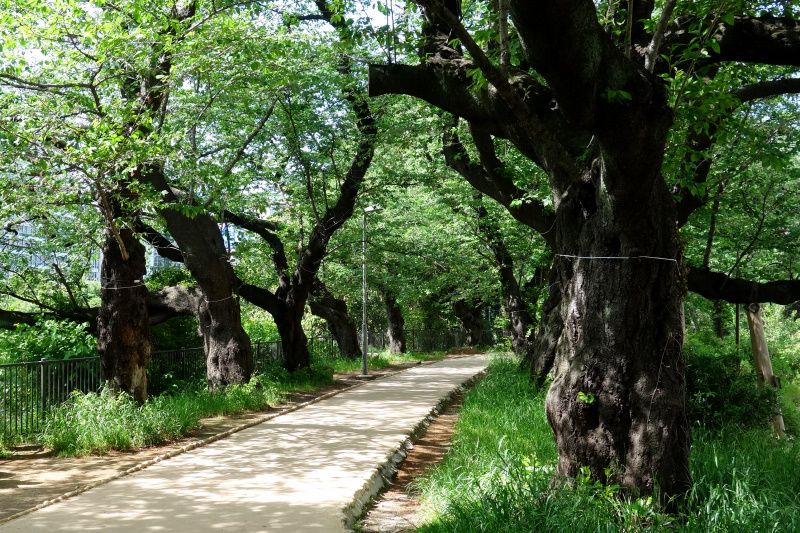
x=28 y=389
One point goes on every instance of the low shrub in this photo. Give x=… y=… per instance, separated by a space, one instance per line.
x=721 y=388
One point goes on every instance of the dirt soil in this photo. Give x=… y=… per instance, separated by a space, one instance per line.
x=32 y=475
x=397 y=510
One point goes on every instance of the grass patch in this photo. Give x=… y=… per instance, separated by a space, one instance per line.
x=496 y=477
x=97 y=423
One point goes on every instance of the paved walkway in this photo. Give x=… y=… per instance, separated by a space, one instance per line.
x=295 y=473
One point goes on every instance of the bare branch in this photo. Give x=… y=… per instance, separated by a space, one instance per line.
x=651 y=53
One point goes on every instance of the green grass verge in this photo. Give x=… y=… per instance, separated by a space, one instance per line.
x=97 y=423
x=496 y=477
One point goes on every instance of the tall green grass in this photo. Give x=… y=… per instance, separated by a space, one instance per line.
x=97 y=423
x=497 y=476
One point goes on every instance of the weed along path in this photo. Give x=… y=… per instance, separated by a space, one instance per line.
x=309 y=470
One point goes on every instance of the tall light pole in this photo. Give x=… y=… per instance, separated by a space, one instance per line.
x=364 y=339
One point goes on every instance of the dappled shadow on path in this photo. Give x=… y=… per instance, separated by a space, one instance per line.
x=294 y=473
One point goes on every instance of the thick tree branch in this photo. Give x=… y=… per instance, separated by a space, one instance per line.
x=163 y=305
x=263 y=298
x=163 y=246
x=171 y=302
x=718 y=286
x=9 y=319
x=445 y=85
x=552 y=155
x=268 y=231
x=497 y=185
x=767 y=89
x=768 y=40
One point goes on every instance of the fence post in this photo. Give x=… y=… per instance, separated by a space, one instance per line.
x=42 y=399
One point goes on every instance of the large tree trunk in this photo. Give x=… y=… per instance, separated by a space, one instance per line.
x=334 y=311
x=617 y=402
x=229 y=355
x=519 y=317
x=294 y=342
x=123 y=328
x=396 y=330
x=541 y=352
x=471 y=322
x=598 y=127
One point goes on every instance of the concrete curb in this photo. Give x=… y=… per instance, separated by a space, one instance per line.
x=384 y=472
x=198 y=444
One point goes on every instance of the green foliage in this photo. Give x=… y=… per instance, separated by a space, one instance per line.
x=176 y=333
x=498 y=475
x=259 y=324
x=721 y=391
x=588 y=399
x=167 y=276
x=743 y=481
x=48 y=339
x=319 y=374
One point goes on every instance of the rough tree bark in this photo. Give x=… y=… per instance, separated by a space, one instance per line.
x=229 y=356
x=472 y=322
x=396 y=325
x=123 y=330
x=334 y=311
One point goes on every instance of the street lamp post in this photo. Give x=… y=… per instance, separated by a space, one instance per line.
x=364 y=339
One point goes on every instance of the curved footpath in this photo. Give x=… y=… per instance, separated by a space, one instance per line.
x=309 y=470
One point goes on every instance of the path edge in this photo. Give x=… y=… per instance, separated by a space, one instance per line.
x=353 y=511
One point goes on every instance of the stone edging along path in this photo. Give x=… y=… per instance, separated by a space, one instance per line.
x=393 y=458
x=384 y=472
